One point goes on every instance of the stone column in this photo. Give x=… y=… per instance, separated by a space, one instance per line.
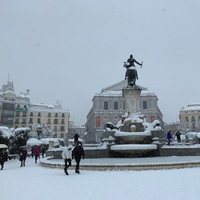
x=132 y=99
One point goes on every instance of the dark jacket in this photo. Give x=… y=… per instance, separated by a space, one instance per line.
x=78 y=152
x=22 y=154
x=169 y=135
x=3 y=156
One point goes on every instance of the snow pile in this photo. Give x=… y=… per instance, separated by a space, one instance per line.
x=6 y=132
x=193 y=135
x=57 y=141
x=137 y=118
x=22 y=130
x=33 y=142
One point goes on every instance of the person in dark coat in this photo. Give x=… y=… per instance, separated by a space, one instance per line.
x=22 y=156
x=43 y=150
x=36 y=152
x=169 y=137
x=178 y=136
x=3 y=157
x=76 y=137
x=77 y=154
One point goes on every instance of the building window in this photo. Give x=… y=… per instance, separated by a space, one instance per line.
x=186 y=119
x=116 y=105
x=193 y=119
x=31 y=121
x=56 y=114
x=124 y=105
x=31 y=114
x=25 y=107
x=63 y=121
x=105 y=105
x=144 y=104
x=49 y=114
x=23 y=121
x=24 y=114
x=49 y=121
x=39 y=114
x=55 y=128
x=152 y=118
x=55 y=121
x=17 y=114
x=38 y=120
x=63 y=115
x=17 y=121
x=97 y=122
x=62 y=128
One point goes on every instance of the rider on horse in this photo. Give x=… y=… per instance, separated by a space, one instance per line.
x=131 y=72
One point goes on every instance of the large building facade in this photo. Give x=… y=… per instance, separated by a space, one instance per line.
x=17 y=111
x=190 y=117
x=109 y=106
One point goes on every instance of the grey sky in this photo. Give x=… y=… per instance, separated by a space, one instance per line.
x=69 y=50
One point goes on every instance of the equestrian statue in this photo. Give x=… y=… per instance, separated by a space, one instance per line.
x=131 y=72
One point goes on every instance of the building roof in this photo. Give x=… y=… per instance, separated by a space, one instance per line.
x=116 y=90
x=46 y=108
x=191 y=107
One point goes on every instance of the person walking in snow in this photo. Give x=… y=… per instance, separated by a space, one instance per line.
x=178 y=136
x=76 y=138
x=67 y=156
x=169 y=137
x=78 y=153
x=3 y=157
x=36 y=152
x=22 y=156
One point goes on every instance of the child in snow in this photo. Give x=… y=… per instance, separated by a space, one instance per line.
x=67 y=156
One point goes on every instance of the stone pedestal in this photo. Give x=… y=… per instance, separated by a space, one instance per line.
x=132 y=99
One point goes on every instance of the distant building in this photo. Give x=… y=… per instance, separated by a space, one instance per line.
x=190 y=117
x=17 y=111
x=109 y=106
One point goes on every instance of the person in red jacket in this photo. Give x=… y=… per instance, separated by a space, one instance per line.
x=36 y=152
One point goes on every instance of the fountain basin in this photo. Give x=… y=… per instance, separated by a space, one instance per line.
x=133 y=137
x=133 y=150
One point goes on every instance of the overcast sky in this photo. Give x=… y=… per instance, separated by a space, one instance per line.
x=69 y=50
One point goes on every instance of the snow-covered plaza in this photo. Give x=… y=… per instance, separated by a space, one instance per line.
x=36 y=182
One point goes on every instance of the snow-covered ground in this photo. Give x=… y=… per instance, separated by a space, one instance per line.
x=35 y=182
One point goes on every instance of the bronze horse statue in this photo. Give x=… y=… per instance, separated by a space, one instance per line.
x=131 y=74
